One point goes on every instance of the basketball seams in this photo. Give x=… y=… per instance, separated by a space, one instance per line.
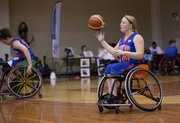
x=95 y=27
x=100 y=19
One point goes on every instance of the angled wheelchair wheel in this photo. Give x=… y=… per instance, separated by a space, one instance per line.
x=101 y=92
x=23 y=85
x=100 y=88
x=143 y=89
x=1 y=73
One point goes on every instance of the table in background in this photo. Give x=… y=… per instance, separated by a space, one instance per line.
x=69 y=63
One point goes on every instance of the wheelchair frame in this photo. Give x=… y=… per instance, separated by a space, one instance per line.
x=168 y=66
x=19 y=83
x=141 y=89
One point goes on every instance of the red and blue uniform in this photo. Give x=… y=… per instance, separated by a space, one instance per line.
x=126 y=63
x=20 y=53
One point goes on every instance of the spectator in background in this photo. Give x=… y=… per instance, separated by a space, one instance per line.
x=155 y=49
x=106 y=57
x=83 y=48
x=170 y=63
x=171 y=50
x=148 y=57
x=85 y=52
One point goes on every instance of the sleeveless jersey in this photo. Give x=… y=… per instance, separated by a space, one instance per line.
x=19 y=52
x=128 y=45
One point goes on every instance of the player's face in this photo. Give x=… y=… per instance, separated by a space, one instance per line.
x=125 y=25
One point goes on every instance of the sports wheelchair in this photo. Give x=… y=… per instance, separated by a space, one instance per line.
x=19 y=83
x=138 y=87
x=169 y=65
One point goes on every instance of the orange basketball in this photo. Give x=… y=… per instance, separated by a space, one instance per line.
x=96 y=22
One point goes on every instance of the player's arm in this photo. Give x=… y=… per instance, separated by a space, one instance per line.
x=24 y=49
x=100 y=36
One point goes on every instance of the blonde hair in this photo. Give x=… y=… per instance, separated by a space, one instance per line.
x=132 y=20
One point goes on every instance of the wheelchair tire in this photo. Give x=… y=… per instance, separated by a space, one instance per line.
x=100 y=93
x=101 y=87
x=23 y=85
x=143 y=89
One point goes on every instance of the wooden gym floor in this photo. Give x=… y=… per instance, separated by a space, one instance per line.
x=73 y=100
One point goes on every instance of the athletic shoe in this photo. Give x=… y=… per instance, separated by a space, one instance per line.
x=112 y=97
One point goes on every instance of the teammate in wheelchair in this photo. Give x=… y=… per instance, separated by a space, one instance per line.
x=25 y=56
x=19 y=46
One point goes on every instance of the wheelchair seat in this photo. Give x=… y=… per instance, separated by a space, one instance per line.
x=123 y=75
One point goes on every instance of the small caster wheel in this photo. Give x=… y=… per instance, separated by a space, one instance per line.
x=3 y=97
x=40 y=95
x=117 y=111
x=100 y=109
x=159 y=108
x=131 y=106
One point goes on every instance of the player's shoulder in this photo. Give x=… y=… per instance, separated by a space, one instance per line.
x=138 y=36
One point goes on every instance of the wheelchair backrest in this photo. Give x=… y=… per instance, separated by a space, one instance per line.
x=140 y=74
x=167 y=63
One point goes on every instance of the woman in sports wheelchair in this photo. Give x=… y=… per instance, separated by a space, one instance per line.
x=129 y=51
x=22 y=81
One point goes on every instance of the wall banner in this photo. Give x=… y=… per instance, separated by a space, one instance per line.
x=56 y=30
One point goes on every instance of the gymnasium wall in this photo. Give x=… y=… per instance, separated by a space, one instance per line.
x=74 y=16
x=170 y=27
x=4 y=21
x=74 y=31
x=37 y=15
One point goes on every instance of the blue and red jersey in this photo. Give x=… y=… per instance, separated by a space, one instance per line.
x=125 y=63
x=128 y=45
x=19 y=52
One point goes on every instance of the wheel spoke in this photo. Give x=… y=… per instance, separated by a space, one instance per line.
x=24 y=85
x=30 y=85
x=35 y=75
x=144 y=91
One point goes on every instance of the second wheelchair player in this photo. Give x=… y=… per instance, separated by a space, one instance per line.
x=19 y=46
x=129 y=51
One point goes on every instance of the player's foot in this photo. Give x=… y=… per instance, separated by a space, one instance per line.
x=112 y=97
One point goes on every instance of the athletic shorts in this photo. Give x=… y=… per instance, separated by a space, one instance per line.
x=119 y=68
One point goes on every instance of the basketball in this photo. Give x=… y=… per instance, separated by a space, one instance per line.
x=96 y=22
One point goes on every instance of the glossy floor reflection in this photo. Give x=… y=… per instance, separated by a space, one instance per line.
x=73 y=100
